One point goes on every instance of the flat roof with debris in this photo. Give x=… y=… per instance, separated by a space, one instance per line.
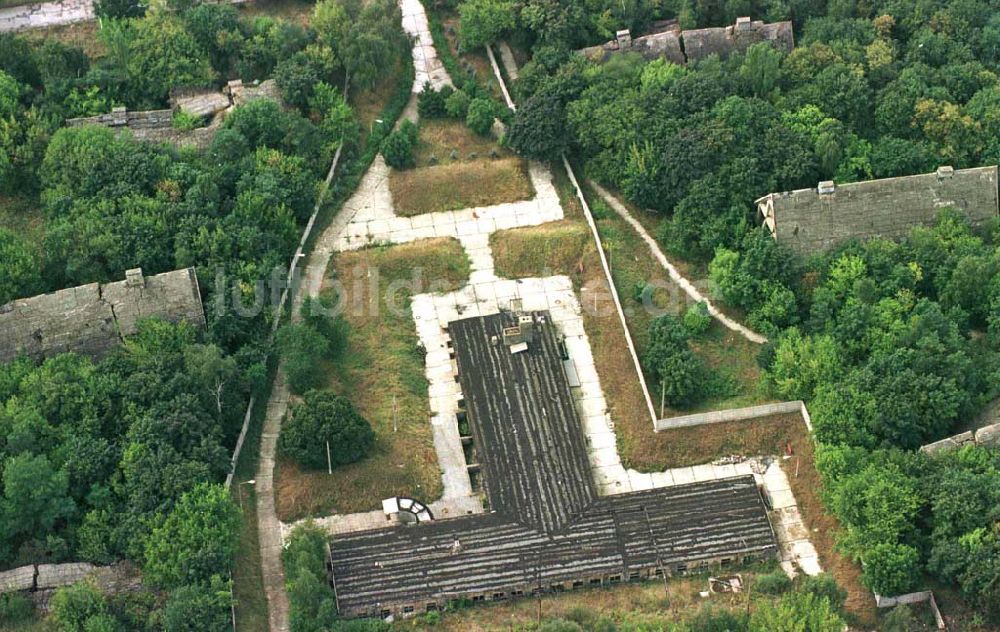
x=548 y=529
x=813 y=220
x=93 y=319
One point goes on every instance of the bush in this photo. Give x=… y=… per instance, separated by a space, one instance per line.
x=697 y=320
x=431 y=102
x=398 y=147
x=184 y=121
x=302 y=349
x=672 y=365
x=198 y=607
x=480 y=117
x=15 y=607
x=891 y=569
x=73 y=605
x=773 y=583
x=714 y=619
x=823 y=585
x=326 y=419
x=457 y=105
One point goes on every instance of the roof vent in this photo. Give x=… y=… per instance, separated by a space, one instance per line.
x=134 y=278
x=827 y=187
x=743 y=24
x=945 y=173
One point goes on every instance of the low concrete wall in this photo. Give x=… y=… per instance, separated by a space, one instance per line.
x=987 y=436
x=912 y=598
x=734 y=414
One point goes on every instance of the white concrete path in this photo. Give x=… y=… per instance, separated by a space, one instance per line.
x=676 y=276
x=41 y=15
x=426 y=64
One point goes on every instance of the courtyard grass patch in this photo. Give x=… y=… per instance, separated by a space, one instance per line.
x=380 y=368
x=459 y=185
x=82 y=35
x=446 y=141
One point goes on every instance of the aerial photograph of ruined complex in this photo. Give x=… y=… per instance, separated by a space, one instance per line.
x=499 y=315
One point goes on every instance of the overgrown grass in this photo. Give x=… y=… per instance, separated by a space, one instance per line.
x=298 y=11
x=639 y=605
x=23 y=216
x=381 y=370
x=441 y=139
x=459 y=185
x=82 y=35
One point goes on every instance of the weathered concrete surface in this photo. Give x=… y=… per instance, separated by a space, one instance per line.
x=93 y=319
x=813 y=220
x=675 y=276
x=40 y=15
x=426 y=64
x=269 y=532
x=733 y=414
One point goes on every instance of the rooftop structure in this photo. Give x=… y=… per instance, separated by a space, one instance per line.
x=813 y=220
x=669 y=42
x=93 y=319
x=548 y=530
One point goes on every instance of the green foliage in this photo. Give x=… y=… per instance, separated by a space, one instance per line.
x=714 y=619
x=302 y=350
x=117 y=9
x=199 y=607
x=672 y=365
x=35 y=496
x=196 y=541
x=365 y=38
x=15 y=608
x=823 y=586
x=891 y=569
x=398 y=148
x=184 y=121
x=480 y=116
x=560 y=625
x=19 y=268
x=773 y=583
x=457 y=105
x=796 y=612
x=431 y=102
x=697 y=318
x=325 y=419
x=72 y=607
x=311 y=604
x=482 y=22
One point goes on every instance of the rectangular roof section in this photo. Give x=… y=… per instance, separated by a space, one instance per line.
x=813 y=220
x=523 y=420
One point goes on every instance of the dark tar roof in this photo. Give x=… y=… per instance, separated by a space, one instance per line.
x=548 y=525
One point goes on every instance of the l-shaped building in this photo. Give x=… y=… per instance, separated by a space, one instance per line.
x=546 y=529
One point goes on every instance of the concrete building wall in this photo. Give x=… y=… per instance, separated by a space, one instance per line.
x=814 y=220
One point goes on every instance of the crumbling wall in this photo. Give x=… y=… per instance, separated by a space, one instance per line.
x=92 y=319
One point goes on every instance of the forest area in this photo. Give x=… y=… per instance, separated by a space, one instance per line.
x=124 y=458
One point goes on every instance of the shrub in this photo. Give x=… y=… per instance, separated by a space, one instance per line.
x=326 y=419
x=302 y=348
x=431 y=102
x=891 y=569
x=697 y=320
x=672 y=365
x=184 y=121
x=457 y=105
x=823 y=585
x=773 y=583
x=714 y=619
x=73 y=605
x=15 y=607
x=198 y=607
x=398 y=147
x=480 y=116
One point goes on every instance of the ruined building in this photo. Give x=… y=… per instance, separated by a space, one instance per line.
x=669 y=42
x=157 y=126
x=547 y=529
x=93 y=319
x=813 y=220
